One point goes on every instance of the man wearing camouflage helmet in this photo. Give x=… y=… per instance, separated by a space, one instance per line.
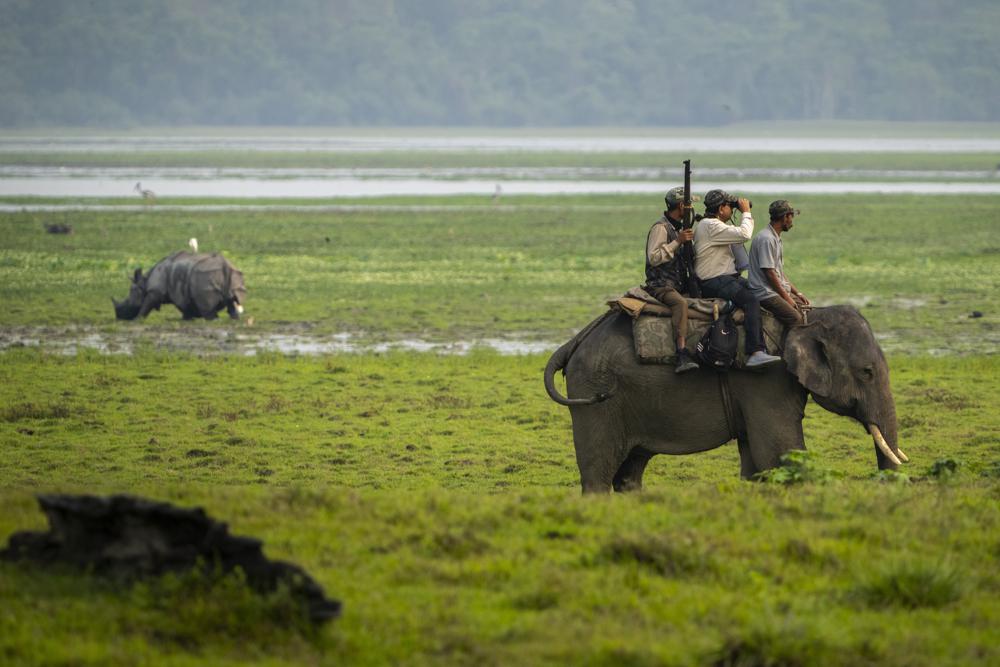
x=767 y=271
x=717 y=270
x=667 y=271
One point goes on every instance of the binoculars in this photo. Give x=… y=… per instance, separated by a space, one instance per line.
x=734 y=202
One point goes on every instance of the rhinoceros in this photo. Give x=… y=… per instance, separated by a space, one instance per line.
x=200 y=285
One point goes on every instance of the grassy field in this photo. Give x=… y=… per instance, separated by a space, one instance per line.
x=538 y=268
x=437 y=496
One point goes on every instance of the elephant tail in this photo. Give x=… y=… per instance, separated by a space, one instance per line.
x=560 y=358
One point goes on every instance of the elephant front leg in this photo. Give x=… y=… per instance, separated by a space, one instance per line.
x=768 y=442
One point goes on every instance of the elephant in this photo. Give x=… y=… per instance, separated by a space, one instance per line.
x=624 y=412
x=200 y=285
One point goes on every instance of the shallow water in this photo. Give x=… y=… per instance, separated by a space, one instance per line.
x=244 y=341
x=304 y=188
x=486 y=144
x=494 y=173
x=72 y=340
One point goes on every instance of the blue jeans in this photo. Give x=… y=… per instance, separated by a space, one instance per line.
x=737 y=290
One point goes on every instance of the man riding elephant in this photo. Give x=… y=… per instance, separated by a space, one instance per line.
x=667 y=271
x=717 y=271
x=767 y=276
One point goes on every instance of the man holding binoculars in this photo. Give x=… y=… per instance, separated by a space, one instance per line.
x=719 y=256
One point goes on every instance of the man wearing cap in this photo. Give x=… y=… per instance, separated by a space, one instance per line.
x=716 y=267
x=667 y=271
x=767 y=271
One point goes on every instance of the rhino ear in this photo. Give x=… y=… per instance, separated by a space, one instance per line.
x=808 y=360
x=137 y=276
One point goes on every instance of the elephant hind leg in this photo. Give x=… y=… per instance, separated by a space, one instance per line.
x=629 y=475
x=599 y=438
x=747 y=467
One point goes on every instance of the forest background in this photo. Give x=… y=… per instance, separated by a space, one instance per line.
x=487 y=63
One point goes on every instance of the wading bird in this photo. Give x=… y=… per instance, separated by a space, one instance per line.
x=147 y=195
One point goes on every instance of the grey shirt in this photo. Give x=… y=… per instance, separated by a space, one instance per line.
x=765 y=253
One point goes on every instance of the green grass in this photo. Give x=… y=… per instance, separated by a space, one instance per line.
x=918 y=267
x=399 y=422
x=438 y=496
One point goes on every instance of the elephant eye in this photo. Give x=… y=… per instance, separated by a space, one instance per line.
x=868 y=373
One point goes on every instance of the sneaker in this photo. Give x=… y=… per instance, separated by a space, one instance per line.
x=685 y=363
x=760 y=359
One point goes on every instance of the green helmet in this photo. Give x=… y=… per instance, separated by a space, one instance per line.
x=675 y=196
x=780 y=208
x=716 y=198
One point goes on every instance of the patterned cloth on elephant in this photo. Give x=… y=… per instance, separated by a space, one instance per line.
x=653 y=332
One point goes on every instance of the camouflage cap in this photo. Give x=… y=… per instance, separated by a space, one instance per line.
x=780 y=208
x=675 y=196
x=716 y=198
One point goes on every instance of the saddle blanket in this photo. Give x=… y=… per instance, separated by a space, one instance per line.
x=653 y=330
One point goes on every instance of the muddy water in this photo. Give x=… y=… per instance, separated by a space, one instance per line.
x=244 y=342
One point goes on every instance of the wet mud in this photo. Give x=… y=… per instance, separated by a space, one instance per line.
x=241 y=340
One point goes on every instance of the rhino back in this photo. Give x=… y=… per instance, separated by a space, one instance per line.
x=214 y=280
x=158 y=278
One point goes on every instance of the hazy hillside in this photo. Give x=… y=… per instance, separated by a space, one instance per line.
x=492 y=62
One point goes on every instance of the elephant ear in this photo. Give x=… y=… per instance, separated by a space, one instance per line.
x=808 y=360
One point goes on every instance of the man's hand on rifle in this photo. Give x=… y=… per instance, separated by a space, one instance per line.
x=685 y=235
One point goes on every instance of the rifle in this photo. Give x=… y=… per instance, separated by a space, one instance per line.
x=688 y=211
x=687 y=250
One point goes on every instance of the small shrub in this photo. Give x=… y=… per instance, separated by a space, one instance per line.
x=911 y=585
x=892 y=477
x=992 y=470
x=771 y=642
x=21 y=411
x=195 y=608
x=797 y=467
x=943 y=469
x=666 y=554
x=276 y=404
x=456 y=543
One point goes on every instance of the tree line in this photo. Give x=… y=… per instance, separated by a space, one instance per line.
x=118 y=63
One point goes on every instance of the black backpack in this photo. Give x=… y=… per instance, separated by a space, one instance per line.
x=717 y=348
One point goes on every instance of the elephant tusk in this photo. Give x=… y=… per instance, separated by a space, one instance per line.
x=903 y=457
x=882 y=445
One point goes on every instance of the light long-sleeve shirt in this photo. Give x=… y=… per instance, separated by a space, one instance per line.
x=713 y=254
x=660 y=249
